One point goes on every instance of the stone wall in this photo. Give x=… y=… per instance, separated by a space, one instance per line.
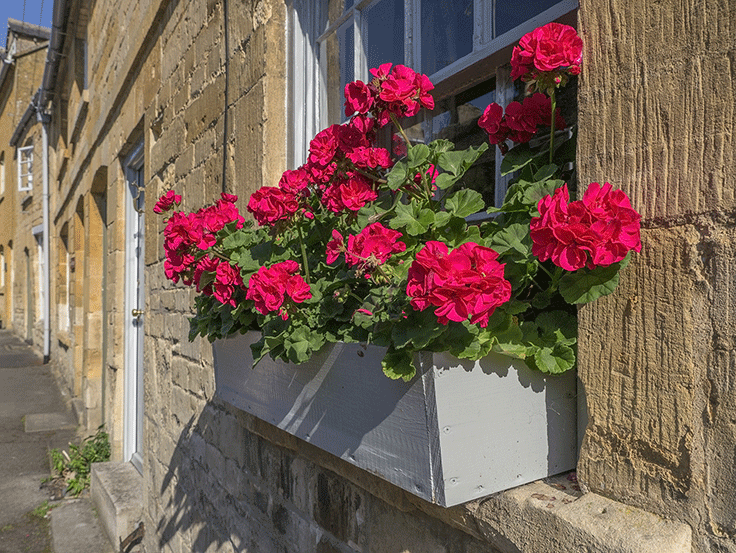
x=657 y=119
x=205 y=92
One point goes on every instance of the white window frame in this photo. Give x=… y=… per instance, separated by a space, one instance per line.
x=308 y=95
x=25 y=168
x=38 y=235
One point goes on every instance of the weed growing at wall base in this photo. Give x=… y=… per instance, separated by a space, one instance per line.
x=74 y=467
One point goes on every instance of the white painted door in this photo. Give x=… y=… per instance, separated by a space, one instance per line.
x=134 y=306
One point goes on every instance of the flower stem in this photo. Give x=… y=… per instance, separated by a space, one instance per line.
x=553 y=100
x=395 y=121
x=304 y=254
x=374 y=178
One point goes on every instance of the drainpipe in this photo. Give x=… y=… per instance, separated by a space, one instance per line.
x=44 y=119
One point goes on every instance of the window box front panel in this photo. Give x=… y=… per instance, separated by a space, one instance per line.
x=458 y=431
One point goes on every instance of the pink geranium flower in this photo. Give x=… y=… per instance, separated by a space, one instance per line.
x=270 y=287
x=597 y=231
x=466 y=283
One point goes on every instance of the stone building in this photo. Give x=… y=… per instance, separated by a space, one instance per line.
x=211 y=96
x=21 y=292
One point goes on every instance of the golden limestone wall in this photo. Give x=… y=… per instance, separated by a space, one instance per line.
x=656 y=113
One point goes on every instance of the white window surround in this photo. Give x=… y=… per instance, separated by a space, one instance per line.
x=38 y=235
x=2 y=173
x=308 y=95
x=25 y=168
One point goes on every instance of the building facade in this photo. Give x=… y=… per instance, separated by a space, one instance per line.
x=214 y=96
x=21 y=259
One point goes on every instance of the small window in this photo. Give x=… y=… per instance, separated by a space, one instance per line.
x=25 y=169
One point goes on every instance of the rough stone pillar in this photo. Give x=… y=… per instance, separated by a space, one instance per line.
x=656 y=114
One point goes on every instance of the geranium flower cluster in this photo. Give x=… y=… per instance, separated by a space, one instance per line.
x=546 y=56
x=339 y=168
x=166 y=202
x=188 y=236
x=369 y=249
x=597 y=231
x=397 y=91
x=271 y=287
x=467 y=282
x=521 y=120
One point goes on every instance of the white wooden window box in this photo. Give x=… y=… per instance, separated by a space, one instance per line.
x=458 y=431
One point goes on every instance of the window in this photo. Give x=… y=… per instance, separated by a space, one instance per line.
x=38 y=235
x=25 y=168
x=452 y=41
x=62 y=288
x=2 y=172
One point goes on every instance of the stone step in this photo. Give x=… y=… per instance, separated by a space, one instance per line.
x=117 y=494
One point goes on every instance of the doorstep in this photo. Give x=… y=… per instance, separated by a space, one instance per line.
x=117 y=493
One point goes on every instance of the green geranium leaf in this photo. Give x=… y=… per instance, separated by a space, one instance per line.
x=414 y=222
x=417 y=155
x=513 y=237
x=246 y=262
x=399 y=364
x=515 y=307
x=441 y=218
x=558 y=327
x=445 y=181
x=464 y=202
x=235 y=240
x=417 y=330
x=459 y=161
x=206 y=279
x=545 y=172
x=397 y=176
x=441 y=145
x=538 y=190
x=516 y=158
x=554 y=360
x=585 y=285
x=369 y=213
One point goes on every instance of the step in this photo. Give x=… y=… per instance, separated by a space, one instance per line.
x=117 y=493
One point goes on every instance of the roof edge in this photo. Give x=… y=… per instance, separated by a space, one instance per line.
x=29 y=29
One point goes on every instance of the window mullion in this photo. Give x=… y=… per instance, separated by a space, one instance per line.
x=412 y=34
x=483 y=23
x=360 y=58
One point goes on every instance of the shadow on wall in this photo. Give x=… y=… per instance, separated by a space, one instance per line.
x=225 y=486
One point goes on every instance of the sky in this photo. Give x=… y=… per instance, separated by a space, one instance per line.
x=15 y=9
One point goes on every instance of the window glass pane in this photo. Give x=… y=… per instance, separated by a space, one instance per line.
x=339 y=69
x=447 y=32
x=509 y=15
x=456 y=119
x=384 y=33
x=346 y=36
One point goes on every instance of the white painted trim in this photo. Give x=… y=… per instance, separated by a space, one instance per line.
x=133 y=398
x=21 y=174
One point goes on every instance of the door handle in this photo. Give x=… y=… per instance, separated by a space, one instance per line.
x=137 y=312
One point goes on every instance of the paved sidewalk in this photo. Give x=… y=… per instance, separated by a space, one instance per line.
x=33 y=419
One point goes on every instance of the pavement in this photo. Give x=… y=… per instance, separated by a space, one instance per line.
x=34 y=418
